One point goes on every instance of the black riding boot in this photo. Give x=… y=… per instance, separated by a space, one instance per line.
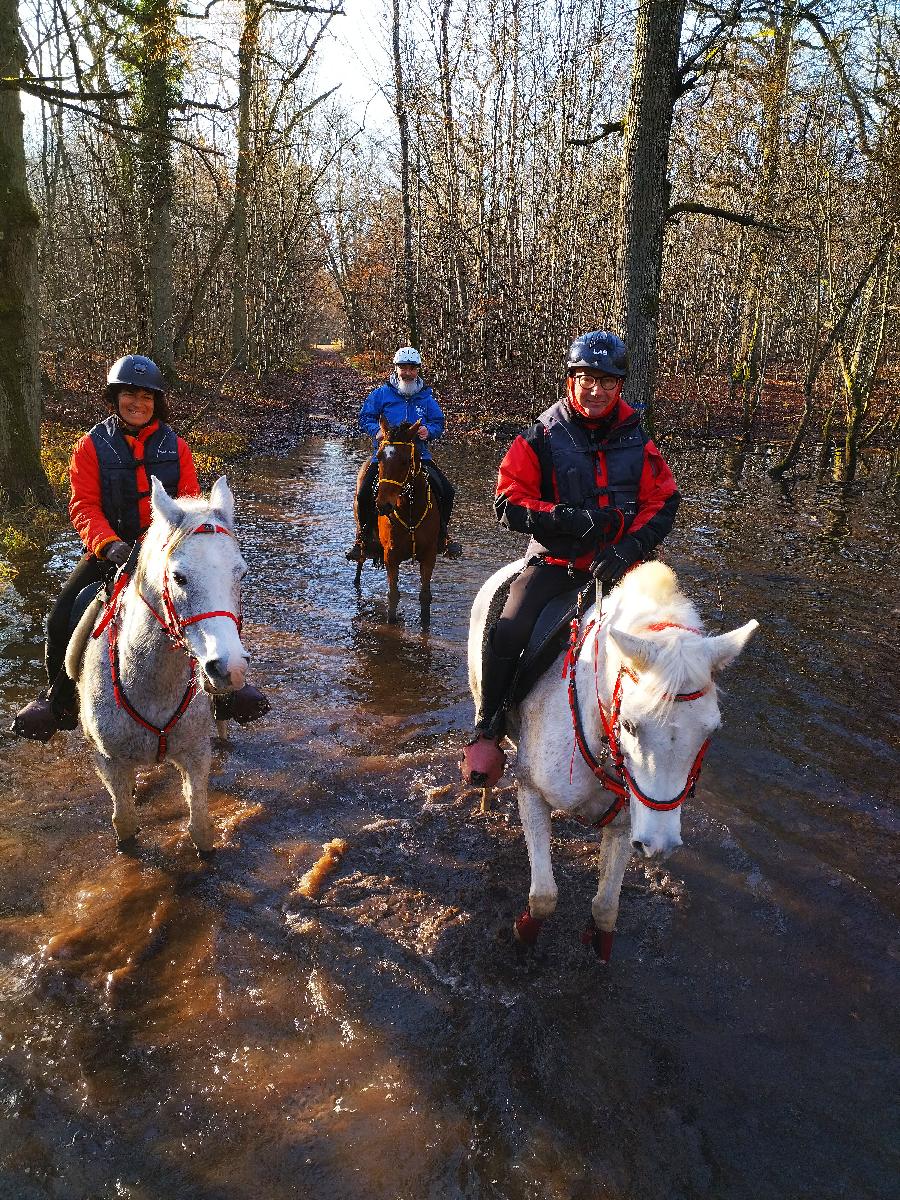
x=497 y=676
x=55 y=708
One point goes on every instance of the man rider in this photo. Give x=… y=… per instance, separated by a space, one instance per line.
x=404 y=397
x=596 y=496
x=109 y=476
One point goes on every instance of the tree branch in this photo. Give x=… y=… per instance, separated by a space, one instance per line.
x=605 y=130
x=725 y=214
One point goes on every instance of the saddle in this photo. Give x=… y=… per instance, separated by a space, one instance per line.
x=549 y=637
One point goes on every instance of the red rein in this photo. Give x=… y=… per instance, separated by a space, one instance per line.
x=174 y=626
x=624 y=786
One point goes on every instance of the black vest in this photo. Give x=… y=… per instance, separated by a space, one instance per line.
x=118 y=472
x=568 y=452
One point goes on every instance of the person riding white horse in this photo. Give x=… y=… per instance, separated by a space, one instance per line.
x=110 y=476
x=404 y=397
x=596 y=496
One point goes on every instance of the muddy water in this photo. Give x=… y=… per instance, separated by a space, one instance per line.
x=176 y=1029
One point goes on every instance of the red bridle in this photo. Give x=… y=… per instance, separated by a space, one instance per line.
x=173 y=626
x=624 y=786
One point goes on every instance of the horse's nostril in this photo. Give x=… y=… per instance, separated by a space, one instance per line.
x=217 y=667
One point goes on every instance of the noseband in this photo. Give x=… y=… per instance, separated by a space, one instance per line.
x=173 y=626
x=624 y=786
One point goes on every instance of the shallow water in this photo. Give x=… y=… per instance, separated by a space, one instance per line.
x=177 y=1029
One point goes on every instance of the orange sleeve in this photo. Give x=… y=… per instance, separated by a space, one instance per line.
x=188 y=484
x=85 y=503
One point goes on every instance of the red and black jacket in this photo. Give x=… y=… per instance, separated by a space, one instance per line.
x=110 y=477
x=565 y=459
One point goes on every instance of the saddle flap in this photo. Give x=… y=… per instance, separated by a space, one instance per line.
x=548 y=639
x=85 y=611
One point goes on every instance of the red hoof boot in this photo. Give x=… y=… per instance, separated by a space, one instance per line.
x=600 y=941
x=483 y=762
x=36 y=721
x=526 y=928
x=245 y=705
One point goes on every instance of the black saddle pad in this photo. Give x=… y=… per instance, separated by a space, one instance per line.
x=82 y=600
x=549 y=638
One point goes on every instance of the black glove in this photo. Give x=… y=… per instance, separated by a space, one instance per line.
x=117 y=552
x=611 y=565
x=589 y=525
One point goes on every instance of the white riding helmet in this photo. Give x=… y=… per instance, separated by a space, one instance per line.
x=407 y=356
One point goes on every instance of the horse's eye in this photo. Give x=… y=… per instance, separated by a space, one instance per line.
x=178 y=578
x=629 y=728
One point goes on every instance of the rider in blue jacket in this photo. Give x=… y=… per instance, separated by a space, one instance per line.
x=405 y=397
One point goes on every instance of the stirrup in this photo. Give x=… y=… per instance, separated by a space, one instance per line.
x=245 y=705
x=483 y=762
x=36 y=721
x=452 y=549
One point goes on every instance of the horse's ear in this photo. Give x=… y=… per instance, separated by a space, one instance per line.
x=163 y=504
x=221 y=499
x=385 y=428
x=725 y=648
x=640 y=652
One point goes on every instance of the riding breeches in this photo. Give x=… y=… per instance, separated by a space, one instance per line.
x=88 y=570
x=531 y=590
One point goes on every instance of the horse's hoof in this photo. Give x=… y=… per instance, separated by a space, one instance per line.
x=206 y=855
x=128 y=846
x=600 y=941
x=526 y=929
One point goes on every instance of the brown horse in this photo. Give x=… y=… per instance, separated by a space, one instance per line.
x=409 y=523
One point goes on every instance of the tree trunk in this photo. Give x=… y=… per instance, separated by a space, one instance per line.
x=644 y=194
x=21 y=473
x=409 y=289
x=156 y=24
x=243 y=179
x=747 y=371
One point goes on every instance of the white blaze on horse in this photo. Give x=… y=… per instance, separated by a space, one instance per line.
x=620 y=742
x=170 y=633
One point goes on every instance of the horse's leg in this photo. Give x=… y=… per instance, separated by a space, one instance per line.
x=426 y=570
x=119 y=780
x=615 y=851
x=392 y=567
x=194 y=768
x=357 y=582
x=534 y=813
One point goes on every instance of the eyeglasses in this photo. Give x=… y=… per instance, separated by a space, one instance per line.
x=607 y=382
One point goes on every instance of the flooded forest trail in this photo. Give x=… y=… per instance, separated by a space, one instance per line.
x=201 y=1031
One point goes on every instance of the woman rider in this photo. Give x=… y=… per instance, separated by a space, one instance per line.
x=109 y=477
x=596 y=496
x=404 y=397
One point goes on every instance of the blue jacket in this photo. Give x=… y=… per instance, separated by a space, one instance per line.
x=386 y=401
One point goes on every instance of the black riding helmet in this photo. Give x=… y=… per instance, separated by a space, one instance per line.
x=135 y=370
x=598 y=351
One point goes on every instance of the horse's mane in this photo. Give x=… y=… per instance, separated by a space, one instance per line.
x=650 y=595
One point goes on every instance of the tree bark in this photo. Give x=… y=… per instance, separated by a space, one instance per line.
x=644 y=192
x=21 y=473
x=409 y=288
x=156 y=66
x=243 y=178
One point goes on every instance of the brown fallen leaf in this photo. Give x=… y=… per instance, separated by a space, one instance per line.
x=311 y=883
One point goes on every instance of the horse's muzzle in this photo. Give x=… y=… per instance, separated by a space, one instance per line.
x=656 y=848
x=224 y=675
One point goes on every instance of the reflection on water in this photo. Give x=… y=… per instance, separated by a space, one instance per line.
x=171 y=1028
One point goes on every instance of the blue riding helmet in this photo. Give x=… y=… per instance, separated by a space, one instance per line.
x=598 y=351
x=134 y=370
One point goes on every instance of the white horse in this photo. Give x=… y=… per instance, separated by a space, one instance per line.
x=171 y=630
x=646 y=704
